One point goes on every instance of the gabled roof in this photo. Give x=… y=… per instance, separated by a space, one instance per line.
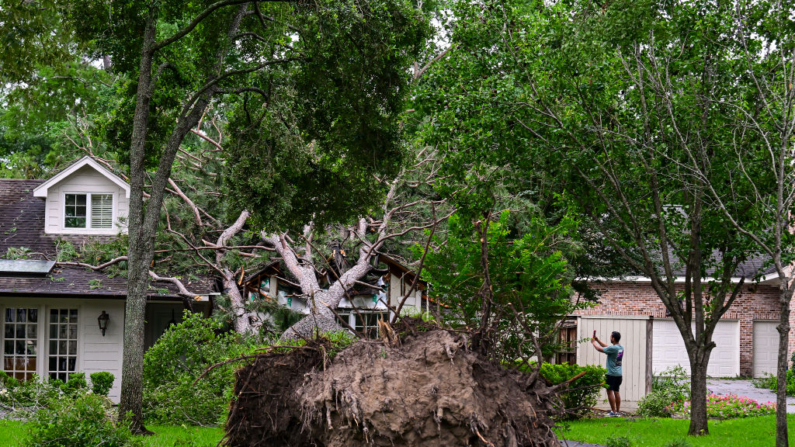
x=41 y=190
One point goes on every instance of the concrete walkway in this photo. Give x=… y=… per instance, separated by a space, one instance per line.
x=744 y=388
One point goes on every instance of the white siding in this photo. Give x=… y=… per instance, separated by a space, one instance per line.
x=95 y=352
x=84 y=180
x=397 y=289
x=633 y=339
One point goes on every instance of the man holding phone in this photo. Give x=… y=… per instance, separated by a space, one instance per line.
x=614 y=377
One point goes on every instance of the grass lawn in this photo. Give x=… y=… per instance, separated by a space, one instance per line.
x=750 y=432
x=12 y=433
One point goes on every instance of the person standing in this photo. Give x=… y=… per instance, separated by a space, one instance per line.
x=614 y=377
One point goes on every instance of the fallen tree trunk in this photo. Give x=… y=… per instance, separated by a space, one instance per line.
x=430 y=390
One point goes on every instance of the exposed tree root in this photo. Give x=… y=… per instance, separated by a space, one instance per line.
x=430 y=390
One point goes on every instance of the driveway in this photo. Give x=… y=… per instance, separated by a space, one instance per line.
x=745 y=388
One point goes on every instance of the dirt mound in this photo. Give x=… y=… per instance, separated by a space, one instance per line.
x=430 y=391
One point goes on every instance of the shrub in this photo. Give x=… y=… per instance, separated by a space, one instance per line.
x=174 y=363
x=618 y=441
x=771 y=382
x=728 y=406
x=78 y=422
x=670 y=387
x=101 y=383
x=583 y=393
x=76 y=382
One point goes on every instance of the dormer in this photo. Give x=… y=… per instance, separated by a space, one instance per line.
x=85 y=198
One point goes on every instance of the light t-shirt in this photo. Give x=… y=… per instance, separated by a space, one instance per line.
x=615 y=355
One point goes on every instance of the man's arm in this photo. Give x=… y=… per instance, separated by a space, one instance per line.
x=604 y=345
x=596 y=345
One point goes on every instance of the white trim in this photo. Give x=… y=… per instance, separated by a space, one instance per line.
x=88 y=229
x=41 y=190
x=614 y=317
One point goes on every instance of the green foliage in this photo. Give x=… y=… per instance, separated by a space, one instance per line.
x=80 y=422
x=75 y=384
x=671 y=387
x=26 y=396
x=727 y=407
x=618 y=441
x=678 y=443
x=770 y=381
x=101 y=383
x=174 y=363
x=585 y=390
x=529 y=274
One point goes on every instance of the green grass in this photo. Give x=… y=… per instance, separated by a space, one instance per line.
x=13 y=432
x=748 y=432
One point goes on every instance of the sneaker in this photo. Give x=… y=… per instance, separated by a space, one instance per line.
x=611 y=415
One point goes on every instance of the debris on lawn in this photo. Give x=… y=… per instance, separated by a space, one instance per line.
x=429 y=390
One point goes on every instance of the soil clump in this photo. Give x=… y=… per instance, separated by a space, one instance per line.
x=431 y=390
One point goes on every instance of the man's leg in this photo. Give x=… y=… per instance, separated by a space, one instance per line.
x=618 y=401
x=612 y=398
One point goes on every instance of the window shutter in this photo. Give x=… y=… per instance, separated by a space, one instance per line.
x=101 y=211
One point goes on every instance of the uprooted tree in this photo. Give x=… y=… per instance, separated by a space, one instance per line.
x=178 y=58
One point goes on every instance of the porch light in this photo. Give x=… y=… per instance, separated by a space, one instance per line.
x=103 y=322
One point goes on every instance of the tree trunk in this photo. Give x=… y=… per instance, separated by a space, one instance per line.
x=781 y=391
x=139 y=256
x=244 y=321
x=698 y=398
x=321 y=318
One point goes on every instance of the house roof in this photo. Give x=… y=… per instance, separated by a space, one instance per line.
x=22 y=225
x=41 y=190
x=70 y=281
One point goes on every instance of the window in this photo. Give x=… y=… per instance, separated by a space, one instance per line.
x=567 y=338
x=91 y=211
x=20 y=344
x=63 y=343
x=370 y=325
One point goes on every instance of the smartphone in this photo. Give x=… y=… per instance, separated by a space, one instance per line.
x=594 y=333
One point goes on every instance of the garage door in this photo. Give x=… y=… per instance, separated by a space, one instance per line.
x=765 y=348
x=668 y=349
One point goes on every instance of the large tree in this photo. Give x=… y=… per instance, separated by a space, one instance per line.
x=561 y=93
x=343 y=61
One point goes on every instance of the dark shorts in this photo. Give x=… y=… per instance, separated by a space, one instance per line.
x=613 y=382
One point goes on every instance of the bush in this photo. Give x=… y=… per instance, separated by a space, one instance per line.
x=670 y=387
x=727 y=406
x=101 y=383
x=618 y=441
x=75 y=383
x=78 y=422
x=771 y=382
x=174 y=363
x=584 y=391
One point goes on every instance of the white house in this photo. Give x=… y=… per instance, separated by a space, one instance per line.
x=50 y=314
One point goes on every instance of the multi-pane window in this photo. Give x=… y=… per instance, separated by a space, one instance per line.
x=63 y=343
x=20 y=344
x=76 y=211
x=367 y=323
x=93 y=211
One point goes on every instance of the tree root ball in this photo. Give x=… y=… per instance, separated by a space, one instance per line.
x=429 y=391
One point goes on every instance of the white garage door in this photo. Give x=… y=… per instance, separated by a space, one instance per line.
x=668 y=349
x=765 y=348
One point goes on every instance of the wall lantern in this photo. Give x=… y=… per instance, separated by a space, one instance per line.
x=103 y=322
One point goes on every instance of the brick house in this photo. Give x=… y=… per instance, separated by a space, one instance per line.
x=746 y=337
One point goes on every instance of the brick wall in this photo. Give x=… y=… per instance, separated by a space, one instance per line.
x=753 y=304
